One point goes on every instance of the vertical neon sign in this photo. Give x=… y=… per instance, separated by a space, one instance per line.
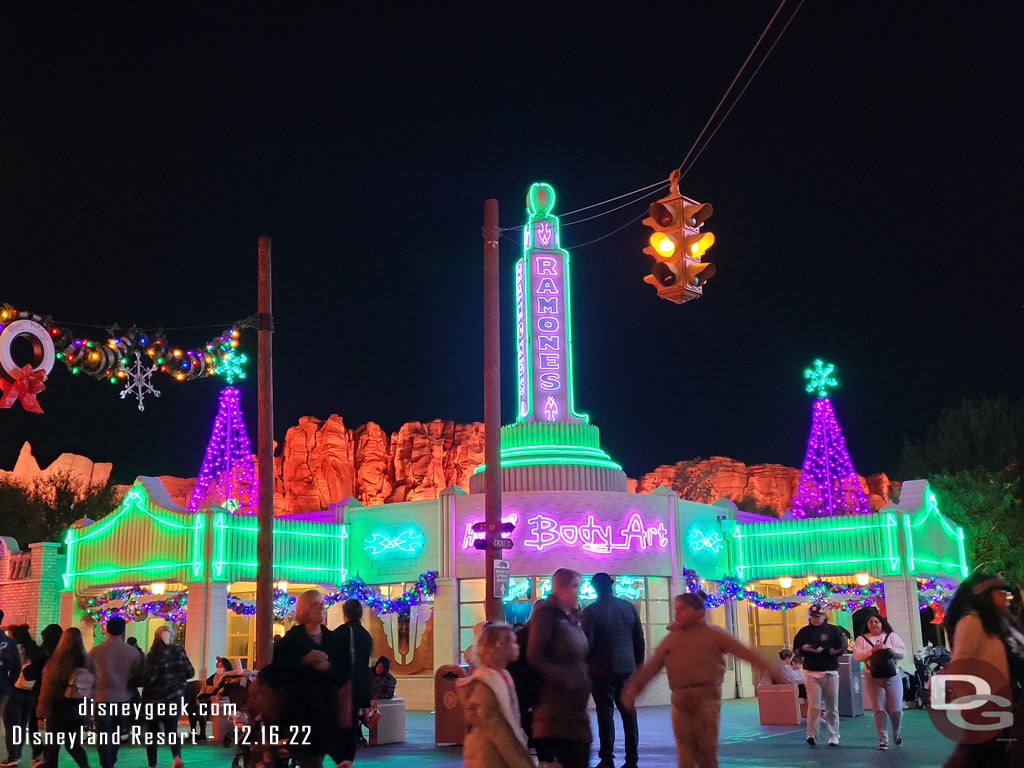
x=543 y=317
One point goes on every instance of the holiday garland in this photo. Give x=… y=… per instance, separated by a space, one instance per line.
x=111 y=357
x=820 y=593
x=131 y=605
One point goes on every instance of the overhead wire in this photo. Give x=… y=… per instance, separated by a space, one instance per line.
x=733 y=83
x=732 y=106
x=690 y=158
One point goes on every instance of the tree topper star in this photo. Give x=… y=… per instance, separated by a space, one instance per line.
x=821 y=378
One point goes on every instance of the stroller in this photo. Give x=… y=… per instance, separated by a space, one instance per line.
x=927 y=661
x=258 y=708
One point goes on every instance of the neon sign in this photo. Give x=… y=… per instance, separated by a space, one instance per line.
x=629 y=588
x=407 y=541
x=543 y=316
x=544 y=532
x=699 y=541
x=518 y=589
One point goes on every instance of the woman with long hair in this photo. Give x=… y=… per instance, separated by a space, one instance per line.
x=982 y=630
x=167 y=671
x=880 y=648
x=68 y=678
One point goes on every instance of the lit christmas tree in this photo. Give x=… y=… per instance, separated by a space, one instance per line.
x=828 y=483
x=228 y=474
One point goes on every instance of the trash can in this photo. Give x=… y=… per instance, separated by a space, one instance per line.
x=851 y=700
x=449 y=723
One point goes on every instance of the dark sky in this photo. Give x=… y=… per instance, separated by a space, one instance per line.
x=865 y=193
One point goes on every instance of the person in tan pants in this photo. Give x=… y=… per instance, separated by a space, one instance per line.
x=693 y=655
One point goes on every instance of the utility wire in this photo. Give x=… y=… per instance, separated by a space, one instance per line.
x=729 y=89
x=603 y=237
x=744 y=90
x=657 y=190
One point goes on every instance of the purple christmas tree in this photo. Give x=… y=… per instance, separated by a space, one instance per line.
x=828 y=483
x=228 y=474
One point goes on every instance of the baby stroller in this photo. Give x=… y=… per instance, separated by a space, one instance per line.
x=258 y=706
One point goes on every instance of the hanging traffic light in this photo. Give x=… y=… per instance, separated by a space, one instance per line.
x=677 y=245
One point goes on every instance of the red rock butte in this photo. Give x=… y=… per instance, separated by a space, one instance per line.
x=323 y=462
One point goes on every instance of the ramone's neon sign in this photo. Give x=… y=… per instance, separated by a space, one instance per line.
x=584 y=533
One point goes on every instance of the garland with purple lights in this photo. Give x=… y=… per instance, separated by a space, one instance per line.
x=283 y=605
x=821 y=593
x=131 y=606
x=426 y=584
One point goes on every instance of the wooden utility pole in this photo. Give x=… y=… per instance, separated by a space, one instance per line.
x=265 y=470
x=492 y=404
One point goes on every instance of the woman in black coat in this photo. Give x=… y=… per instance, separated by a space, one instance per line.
x=309 y=667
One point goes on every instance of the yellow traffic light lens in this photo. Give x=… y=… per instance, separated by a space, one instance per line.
x=663 y=244
x=699 y=247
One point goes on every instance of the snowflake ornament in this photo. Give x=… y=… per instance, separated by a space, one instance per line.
x=137 y=381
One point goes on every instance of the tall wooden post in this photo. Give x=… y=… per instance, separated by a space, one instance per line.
x=492 y=403
x=265 y=470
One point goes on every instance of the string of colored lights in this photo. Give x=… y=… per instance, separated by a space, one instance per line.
x=108 y=358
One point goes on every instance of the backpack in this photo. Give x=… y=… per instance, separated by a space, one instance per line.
x=881 y=665
x=80 y=684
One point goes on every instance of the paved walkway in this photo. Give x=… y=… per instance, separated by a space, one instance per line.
x=743 y=743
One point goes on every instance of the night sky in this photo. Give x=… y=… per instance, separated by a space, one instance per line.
x=865 y=192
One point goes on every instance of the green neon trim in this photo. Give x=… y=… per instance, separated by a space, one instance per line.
x=279 y=532
x=888 y=524
x=568 y=343
x=132 y=568
x=138 y=499
x=280 y=565
x=527 y=315
x=531 y=449
x=218 y=523
x=741 y=568
x=805 y=532
x=910 y=543
x=957 y=534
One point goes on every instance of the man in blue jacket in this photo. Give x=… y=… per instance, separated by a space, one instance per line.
x=616 y=639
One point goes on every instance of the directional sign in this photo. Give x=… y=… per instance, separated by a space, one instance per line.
x=501 y=574
x=480 y=527
x=501 y=543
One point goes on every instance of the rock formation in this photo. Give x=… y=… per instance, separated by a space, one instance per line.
x=79 y=469
x=322 y=462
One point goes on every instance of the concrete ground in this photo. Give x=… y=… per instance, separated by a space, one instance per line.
x=743 y=743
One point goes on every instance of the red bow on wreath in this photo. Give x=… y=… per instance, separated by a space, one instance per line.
x=25 y=387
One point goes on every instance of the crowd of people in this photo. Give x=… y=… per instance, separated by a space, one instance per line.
x=529 y=687
x=319 y=682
